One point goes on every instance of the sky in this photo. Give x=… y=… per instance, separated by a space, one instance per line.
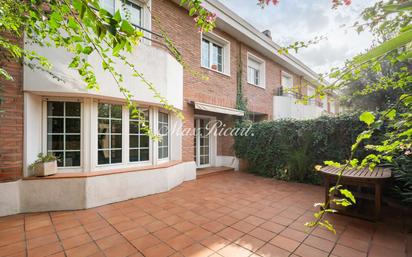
x=302 y=20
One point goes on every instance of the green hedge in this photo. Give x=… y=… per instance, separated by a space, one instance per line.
x=289 y=149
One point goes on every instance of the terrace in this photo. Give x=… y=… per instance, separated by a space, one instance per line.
x=229 y=214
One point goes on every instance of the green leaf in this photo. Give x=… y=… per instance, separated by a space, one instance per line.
x=348 y=194
x=391 y=114
x=127 y=28
x=367 y=117
x=332 y=163
x=392 y=44
x=87 y=50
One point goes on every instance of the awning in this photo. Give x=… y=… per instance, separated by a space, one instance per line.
x=218 y=109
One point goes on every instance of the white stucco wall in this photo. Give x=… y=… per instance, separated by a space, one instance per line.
x=227 y=161
x=9 y=198
x=80 y=193
x=157 y=66
x=287 y=107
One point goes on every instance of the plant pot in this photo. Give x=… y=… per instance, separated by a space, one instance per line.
x=45 y=169
x=214 y=67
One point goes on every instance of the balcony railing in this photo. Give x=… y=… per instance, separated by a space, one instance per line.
x=280 y=91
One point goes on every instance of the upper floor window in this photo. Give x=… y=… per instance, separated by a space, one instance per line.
x=129 y=9
x=108 y=5
x=311 y=92
x=109 y=136
x=138 y=139
x=255 y=71
x=63 y=132
x=287 y=83
x=212 y=55
x=133 y=13
x=215 y=53
x=163 y=130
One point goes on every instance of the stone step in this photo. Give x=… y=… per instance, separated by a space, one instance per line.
x=210 y=171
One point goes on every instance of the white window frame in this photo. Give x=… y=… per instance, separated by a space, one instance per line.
x=150 y=148
x=290 y=76
x=168 y=136
x=145 y=15
x=45 y=133
x=220 y=41
x=262 y=70
x=109 y=148
x=311 y=92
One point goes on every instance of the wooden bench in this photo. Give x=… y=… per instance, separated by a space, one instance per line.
x=358 y=177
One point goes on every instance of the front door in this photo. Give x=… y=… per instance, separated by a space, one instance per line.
x=202 y=143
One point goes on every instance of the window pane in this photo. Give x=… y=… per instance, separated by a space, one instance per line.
x=205 y=53
x=72 y=125
x=117 y=111
x=55 y=108
x=134 y=127
x=116 y=156
x=103 y=157
x=72 y=142
x=134 y=13
x=72 y=109
x=134 y=155
x=116 y=141
x=144 y=141
x=103 y=110
x=103 y=142
x=108 y=5
x=55 y=142
x=116 y=126
x=55 y=125
x=64 y=126
x=144 y=154
x=103 y=126
x=218 y=57
x=60 y=158
x=133 y=141
x=72 y=158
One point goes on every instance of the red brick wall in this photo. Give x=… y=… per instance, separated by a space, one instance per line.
x=11 y=124
x=218 y=89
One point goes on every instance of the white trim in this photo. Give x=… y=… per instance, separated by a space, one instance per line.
x=285 y=74
x=44 y=132
x=218 y=109
x=262 y=70
x=212 y=143
x=222 y=42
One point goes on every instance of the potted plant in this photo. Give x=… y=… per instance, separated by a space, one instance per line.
x=45 y=165
x=214 y=67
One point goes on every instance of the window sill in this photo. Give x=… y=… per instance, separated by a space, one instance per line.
x=256 y=85
x=219 y=72
x=104 y=173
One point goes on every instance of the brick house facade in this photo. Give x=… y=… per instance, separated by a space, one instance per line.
x=32 y=99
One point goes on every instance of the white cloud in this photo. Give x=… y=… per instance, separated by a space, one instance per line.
x=296 y=20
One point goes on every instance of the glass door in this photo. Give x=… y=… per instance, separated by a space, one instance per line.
x=202 y=143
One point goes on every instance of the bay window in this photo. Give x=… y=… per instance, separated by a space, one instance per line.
x=163 y=131
x=109 y=134
x=138 y=140
x=64 y=132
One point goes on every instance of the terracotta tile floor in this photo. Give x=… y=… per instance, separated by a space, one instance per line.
x=232 y=214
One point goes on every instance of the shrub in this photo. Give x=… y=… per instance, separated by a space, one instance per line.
x=289 y=149
x=402 y=173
